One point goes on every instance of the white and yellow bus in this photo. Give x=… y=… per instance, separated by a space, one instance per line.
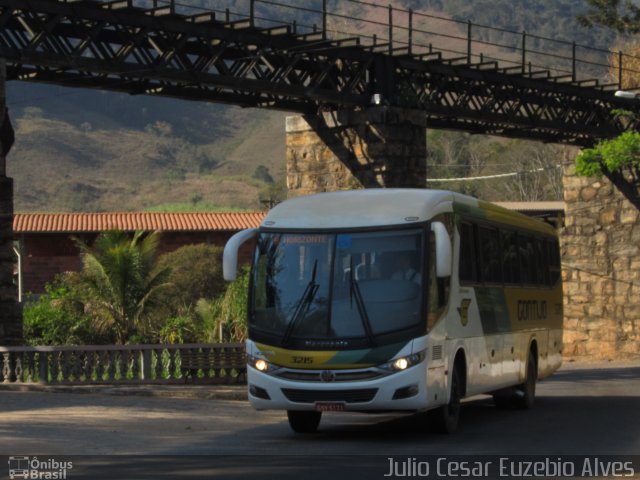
x=398 y=300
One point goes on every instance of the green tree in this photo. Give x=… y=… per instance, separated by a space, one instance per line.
x=195 y=278
x=196 y=272
x=272 y=194
x=122 y=283
x=619 y=160
x=199 y=306
x=620 y=153
x=262 y=173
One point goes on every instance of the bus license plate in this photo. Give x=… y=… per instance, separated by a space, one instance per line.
x=329 y=407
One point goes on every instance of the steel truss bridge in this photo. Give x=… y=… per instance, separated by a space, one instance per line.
x=165 y=49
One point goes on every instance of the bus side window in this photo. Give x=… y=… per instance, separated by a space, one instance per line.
x=527 y=266
x=554 y=262
x=510 y=257
x=542 y=260
x=468 y=272
x=491 y=268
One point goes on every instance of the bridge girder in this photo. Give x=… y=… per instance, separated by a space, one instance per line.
x=95 y=45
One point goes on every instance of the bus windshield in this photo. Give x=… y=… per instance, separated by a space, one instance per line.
x=340 y=285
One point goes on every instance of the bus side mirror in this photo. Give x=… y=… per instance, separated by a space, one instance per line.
x=443 y=250
x=230 y=254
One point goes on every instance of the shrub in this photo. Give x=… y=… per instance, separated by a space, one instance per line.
x=181 y=329
x=58 y=317
x=229 y=311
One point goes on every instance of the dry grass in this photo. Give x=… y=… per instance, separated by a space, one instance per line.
x=58 y=167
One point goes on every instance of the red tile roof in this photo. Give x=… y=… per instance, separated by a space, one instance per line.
x=131 y=221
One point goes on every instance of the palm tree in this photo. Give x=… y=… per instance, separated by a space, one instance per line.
x=121 y=280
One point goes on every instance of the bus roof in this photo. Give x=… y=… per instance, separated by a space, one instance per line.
x=379 y=207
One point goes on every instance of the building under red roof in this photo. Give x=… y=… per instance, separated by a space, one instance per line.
x=47 y=249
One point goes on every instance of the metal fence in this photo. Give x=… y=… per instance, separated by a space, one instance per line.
x=115 y=364
x=400 y=31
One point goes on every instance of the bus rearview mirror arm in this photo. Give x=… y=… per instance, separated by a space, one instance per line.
x=443 y=250
x=230 y=254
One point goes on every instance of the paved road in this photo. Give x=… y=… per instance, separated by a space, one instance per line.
x=579 y=411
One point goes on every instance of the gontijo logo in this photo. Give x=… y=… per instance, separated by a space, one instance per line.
x=32 y=468
x=463 y=310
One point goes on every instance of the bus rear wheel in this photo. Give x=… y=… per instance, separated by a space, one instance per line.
x=521 y=396
x=303 y=421
x=525 y=393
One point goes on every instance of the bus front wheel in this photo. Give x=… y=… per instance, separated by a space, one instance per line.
x=303 y=421
x=448 y=416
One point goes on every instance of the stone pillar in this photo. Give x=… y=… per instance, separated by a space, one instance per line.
x=377 y=147
x=601 y=270
x=10 y=312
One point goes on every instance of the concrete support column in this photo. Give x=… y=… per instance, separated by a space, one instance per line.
x=377 y=147
x=10 y=312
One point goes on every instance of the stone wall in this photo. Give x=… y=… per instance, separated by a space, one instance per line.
x=601 y=270
x=377 y=147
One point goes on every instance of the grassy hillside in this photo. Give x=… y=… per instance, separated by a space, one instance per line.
x=79 y=161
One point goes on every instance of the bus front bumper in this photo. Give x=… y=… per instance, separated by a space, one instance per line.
x=400 y=391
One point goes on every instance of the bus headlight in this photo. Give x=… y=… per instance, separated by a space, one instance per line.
x=403 y=363
x=261 y=364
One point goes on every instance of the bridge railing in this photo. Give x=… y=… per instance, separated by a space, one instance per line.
x=115 y=364
x=400 y=31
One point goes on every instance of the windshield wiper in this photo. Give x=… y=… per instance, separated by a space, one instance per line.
x=354 y=291
x=303 y=304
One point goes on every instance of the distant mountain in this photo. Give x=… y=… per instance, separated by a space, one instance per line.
x=88 y=150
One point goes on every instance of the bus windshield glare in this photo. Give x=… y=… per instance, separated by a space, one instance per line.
x=339 y=285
